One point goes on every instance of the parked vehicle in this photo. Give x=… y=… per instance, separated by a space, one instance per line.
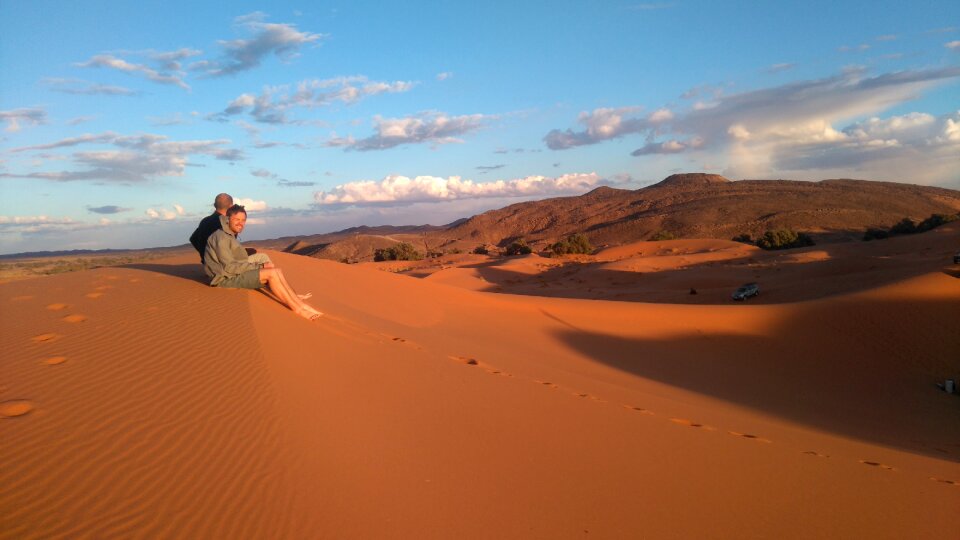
x=746 y=291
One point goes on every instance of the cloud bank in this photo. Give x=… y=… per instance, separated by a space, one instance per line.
x=135 y=158
x=396 y=189
x=801 y=126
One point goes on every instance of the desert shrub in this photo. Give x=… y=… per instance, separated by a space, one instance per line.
x=575 y=243
x=936 y=220
x=518 y=247
x=743 y=238
x=663 y=235
x=400 y=252
x=906 y=226
x=481 y=250
x=783 y=239
x=454 y=251
x=875 y=234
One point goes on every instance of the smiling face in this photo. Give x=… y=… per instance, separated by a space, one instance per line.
x=237 y=222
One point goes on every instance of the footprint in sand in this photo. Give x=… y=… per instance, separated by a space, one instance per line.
x=135 y=280
x=45 y=338
x=945 y=481
x=94 y=295
x=876 y=464
x=55 y=360
x=14 y=408
x=57 y=307
x=465 y=360
x=749 y=436
x=545 y=383
x=639 y=410
x=817 y=454
x=75 y=318
x=691 y=423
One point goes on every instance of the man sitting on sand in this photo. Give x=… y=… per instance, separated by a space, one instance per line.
x=227 y=264
x=211 y=223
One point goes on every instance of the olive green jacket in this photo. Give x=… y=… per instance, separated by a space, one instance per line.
x=224 y=257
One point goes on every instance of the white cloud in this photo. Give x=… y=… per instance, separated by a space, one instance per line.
x=444 y=75
x=251 y=205
x=136 y=159
x=601 y=125
x=179 y=209
x=87 y=88
x=811 y=125
x=281 y=40
x=32 y=116
x=952 y=45
x=273 y=104
x=429 y=127
x=112 y=62
x=397 y=189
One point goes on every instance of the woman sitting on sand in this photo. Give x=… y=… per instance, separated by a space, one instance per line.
x=227 y=264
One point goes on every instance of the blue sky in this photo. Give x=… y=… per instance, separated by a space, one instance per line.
x=120 y=121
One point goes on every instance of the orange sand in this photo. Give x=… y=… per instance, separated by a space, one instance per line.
x=137 y=401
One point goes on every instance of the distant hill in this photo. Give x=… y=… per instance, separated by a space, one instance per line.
x=691 y=205
x=709 y=206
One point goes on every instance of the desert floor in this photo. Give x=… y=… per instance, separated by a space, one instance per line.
x=492 y=398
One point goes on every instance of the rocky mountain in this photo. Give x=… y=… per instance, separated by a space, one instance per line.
x=693 y=205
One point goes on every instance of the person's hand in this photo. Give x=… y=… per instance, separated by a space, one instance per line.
x=268 y=265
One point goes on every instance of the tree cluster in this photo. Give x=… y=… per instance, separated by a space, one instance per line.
x=784 y=239
x=518 y=247
x=400 y=252
x=575 y=243
x=909 y=226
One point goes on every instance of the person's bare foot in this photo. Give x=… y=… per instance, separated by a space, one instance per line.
x=309 y=314
x=314 y=311
x=304 y=296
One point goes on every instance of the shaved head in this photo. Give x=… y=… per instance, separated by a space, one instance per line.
x=222 y=202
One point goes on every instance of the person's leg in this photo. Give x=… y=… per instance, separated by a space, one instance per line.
x=298 y=298
x=273 y=278
x=263 y=258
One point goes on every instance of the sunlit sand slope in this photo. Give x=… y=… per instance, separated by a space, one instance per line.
x=140 y=402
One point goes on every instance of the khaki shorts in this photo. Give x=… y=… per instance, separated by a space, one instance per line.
x=247 y=280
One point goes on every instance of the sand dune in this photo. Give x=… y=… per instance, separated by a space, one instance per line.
x=137 y=401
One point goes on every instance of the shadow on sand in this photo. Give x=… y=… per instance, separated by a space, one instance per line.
x=782 y=279
x=865 y=370
x=192 y=272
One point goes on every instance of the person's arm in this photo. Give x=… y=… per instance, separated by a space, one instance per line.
x=195 y=241
x=224 y=248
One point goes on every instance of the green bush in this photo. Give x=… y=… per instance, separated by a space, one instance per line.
x=454 y=251
x=518 y=247
x=663 y=235
x=575 y=243
x=936 y=220
x=400 y=252
x=784 y=239
x=908 y=226
x=481 y=250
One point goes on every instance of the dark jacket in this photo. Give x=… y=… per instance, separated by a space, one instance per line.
x=208 y=226
x=225 y=257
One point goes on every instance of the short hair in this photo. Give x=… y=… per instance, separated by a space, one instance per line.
x=223 y=201
x=236 y=209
